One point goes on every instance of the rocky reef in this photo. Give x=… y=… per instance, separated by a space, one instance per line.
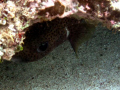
x=16 y=16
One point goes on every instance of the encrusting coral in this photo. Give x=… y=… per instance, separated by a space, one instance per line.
x=17 y=15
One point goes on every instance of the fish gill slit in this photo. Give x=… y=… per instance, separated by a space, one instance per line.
x=68 y=32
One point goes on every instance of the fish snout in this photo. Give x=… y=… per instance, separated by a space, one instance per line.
x=18 y=59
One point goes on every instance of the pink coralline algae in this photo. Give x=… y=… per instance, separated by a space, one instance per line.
x=105 y=11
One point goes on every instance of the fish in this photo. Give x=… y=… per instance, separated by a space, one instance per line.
x=42 y=38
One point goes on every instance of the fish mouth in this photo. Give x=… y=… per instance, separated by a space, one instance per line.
x=18 y=59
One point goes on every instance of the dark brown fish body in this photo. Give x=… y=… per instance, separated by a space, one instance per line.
x=42 y=38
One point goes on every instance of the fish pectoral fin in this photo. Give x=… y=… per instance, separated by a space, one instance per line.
x=75 y=47
x=80 y=34
x=76 y=54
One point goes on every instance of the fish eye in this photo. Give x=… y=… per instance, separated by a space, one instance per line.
x=42 y=47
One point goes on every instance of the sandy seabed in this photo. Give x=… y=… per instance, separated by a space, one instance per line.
x=98 y=67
